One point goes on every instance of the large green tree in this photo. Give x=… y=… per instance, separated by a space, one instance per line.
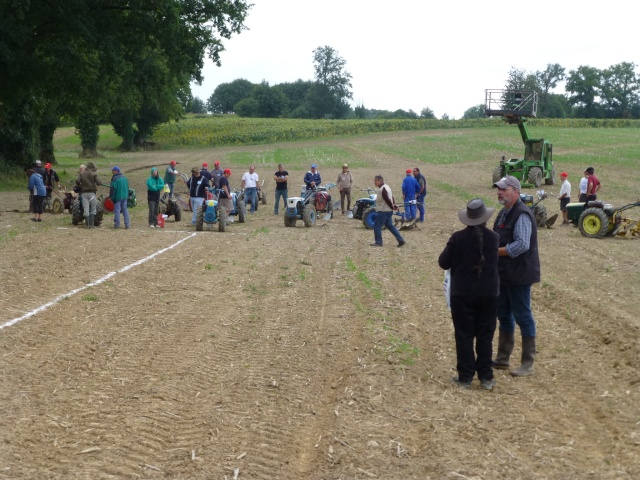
x=329 y=68
x=619 y=90
x=547 y=80
x=95 y=57
x=227 y=95
x=583 y=85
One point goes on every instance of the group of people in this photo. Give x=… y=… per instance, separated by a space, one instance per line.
x=491 y=274
x=589 y=187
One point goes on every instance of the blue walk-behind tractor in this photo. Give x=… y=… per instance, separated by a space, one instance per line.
x=210 y=213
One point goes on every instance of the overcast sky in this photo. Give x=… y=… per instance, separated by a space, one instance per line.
x=412 y=54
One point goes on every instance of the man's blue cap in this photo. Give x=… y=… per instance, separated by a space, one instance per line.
x=117 y=169
x=313 y=165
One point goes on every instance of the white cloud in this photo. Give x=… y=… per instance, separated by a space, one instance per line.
x=411 y=54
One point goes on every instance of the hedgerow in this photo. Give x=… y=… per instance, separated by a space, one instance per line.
x=230 y=130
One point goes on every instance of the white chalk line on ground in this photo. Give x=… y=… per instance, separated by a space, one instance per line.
x=42 y=308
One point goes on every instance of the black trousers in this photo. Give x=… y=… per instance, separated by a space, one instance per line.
x=474 y=318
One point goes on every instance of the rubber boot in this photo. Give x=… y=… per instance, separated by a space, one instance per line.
x=528 y=355
x=92 y=221
x=505 y=349
x=86 y=221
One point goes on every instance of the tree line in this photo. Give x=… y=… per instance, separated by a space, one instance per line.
x=589 y=92
x=126 y=62
x=326 y=96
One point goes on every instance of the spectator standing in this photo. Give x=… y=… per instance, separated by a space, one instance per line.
x=312 y=178
x=565 y=197
x=170 y=175
x=250 y=185
x=88 y=182
x=345 y=182
x=225 y=191
x=39 y=169
x=50 y=178
x=197 y=185
x=518 y=268
x=205 y=172
x=582 y=188
x=119 y=195
x=216 y=175
x=155 y=185
x=385 y=206
x=422 y=194
x=472 y=256
x=282 y=191
x=593 y=185
x=410 y=190
x=39 y=193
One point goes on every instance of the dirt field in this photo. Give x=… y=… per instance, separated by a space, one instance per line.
x=276 y=353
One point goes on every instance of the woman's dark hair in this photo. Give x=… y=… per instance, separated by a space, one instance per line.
x=477 y=230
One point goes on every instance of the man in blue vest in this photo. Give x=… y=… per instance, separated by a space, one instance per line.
x=519 y=268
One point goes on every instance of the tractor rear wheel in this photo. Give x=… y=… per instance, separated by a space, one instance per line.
x=199 y=219
x=498 y=173
x=77 y=215
x=593 y=223
x=540 y=213
x=242 y=211
x=369 y=218
x=57 y=206
x=535 y=177
x=99 y=214
x=309 y=216
x=289 y=221
x=552 y=179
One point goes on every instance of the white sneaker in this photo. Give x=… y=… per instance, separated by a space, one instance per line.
x=152 y=226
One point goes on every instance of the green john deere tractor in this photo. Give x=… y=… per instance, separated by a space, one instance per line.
x=515 y=107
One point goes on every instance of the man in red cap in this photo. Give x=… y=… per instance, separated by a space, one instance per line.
x=206 y=173
x=225 y=193
x=564 y=196
x=50 y=176
x=410 y=191
x=216 y=174
x=170 y=175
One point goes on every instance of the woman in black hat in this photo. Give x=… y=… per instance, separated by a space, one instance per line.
x=472 y=256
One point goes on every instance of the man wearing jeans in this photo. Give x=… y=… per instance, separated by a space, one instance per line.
x=519 y=268
x=119 y=194
x=250 y=185
x=385 y=206
x=281 y=177
x=197 y=185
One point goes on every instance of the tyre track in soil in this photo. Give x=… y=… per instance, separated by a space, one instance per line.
x=161 y=389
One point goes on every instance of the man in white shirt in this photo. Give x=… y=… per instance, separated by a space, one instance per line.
x=565 y=194
x=250 y=185
x=584 y=183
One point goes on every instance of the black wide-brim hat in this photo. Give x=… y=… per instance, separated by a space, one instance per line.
x=476 y=213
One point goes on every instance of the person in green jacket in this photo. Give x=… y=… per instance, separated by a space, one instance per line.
x=119 y=194
x=155 y=184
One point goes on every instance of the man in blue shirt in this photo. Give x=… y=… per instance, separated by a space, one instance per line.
x=312 y=178
x=410 y=191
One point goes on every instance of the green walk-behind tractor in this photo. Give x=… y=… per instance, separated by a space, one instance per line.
x=515 y=107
